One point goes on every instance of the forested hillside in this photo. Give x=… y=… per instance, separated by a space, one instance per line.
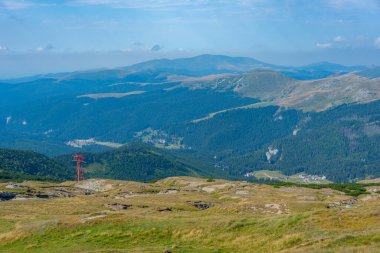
x=342 y=144
x=134 y=161
x=139 y=162
x=19 y=165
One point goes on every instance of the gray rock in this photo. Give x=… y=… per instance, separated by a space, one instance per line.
x=346 y=203
x=201 y=205
x=4 y=196
x=15 y=186
x=117 y=206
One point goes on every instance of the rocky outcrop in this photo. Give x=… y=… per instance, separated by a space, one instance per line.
x=16 y=186
x=43 y=193
x=201 y=205
x=4 y=196
x=345 y=203
x=117 y=206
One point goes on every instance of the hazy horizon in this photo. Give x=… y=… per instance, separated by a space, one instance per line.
x=38 y=37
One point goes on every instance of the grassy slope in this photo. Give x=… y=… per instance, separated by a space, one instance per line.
x=370 y=181
x=278 y=176
x=238 y=222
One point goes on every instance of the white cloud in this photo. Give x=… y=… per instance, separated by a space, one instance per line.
x=324 y=45
x=43 y=49
x=15 y=4
x=3 y=49
x=339 y=39
x=377 y=42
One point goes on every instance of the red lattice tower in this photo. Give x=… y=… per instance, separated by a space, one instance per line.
x=79 y=160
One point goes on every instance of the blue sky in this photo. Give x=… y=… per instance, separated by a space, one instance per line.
x=42 y=36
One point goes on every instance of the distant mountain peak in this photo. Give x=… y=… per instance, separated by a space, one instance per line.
x=201 y=65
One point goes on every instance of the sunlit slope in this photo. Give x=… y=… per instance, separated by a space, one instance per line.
x=188 y=215
x=307 y=95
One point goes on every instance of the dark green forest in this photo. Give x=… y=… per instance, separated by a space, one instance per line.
x=342 y=144
x=28 y=165
x=138 y=162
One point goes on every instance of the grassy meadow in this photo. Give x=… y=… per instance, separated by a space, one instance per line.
x=243 y=217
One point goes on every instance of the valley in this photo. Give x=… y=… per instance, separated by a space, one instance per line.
x=221 y=113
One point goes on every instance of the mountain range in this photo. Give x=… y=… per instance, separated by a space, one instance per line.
x=232 y=114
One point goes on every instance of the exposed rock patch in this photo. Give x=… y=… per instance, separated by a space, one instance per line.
x=16 y=186
x=48 y=195
x=169 y=191
x=215 y=187
x=346 y=203
x=4 y=196
x=201 y=205
x=274 y=206
x=95 y=185
x=308 y=198
x=117 y=206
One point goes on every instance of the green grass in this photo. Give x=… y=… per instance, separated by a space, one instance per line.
x=7 y=176
x=180 y=235
x=149 y=235
x=232 y=225
x=349 y=189
x=6 y=226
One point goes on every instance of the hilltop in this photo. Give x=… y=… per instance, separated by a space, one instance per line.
x=184 y=214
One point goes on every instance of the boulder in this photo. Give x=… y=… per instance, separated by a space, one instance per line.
x=201 y=205
x=117 y=206
x=4 y=196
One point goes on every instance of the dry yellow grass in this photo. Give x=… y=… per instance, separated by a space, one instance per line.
x=244 y=217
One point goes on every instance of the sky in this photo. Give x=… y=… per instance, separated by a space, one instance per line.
x=48 y=36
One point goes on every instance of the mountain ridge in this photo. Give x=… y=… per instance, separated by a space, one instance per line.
x=226 y=116
x=233 y=64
